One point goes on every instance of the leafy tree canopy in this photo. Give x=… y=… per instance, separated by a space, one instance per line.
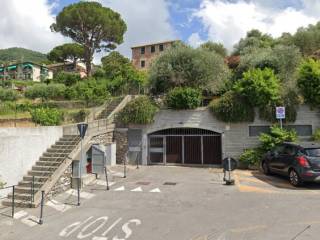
x=68 y=51
x=93 y=26
x=254 y=39
x=260 y=87
x=309 y=81
x=21 y=54
x=215 y=47
x=183 y=66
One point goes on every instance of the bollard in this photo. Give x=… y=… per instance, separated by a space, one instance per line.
x=137 y=160
x=41 y=208
x=106 y=173
x=13 y=201
x=78 y=191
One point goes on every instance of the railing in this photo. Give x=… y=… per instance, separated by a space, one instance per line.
x=12 y=199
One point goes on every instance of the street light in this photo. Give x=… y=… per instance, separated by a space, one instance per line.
x=82 y=128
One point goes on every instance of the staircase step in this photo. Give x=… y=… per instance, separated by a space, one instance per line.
x=25 y=190
x=59 y=150
x=67 y=143
x=69 y=138
x=40 y=173
x=48 y=163
x=51 y=159
x=63 y=147
x=28 y=184
x=44 y=168
x=17 y=203
x=36 y=178
x=48 y=154
x=20 y=196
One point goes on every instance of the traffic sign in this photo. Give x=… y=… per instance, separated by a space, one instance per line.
x=280 y=112
x=82 y=128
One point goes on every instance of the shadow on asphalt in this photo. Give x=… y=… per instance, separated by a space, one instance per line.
x=282 y=182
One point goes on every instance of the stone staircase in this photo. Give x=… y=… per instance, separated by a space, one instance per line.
x=42 y=171
x=110 y=107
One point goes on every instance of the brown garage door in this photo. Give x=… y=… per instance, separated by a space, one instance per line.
x=212 y=150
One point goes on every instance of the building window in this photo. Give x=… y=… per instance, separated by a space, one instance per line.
x=143 y=63
x=161 y=48
x=143 y=50
x=153 y=49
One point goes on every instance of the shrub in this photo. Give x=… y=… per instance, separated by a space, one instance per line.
x=80 y=116
x=260 y=87
x=232 y=108
x=67 y=78
x=276 y=136
x=309 y=81
x=316 y=135
x=8 y=94
x=251 y=157
x=139 y=111
x=184 y=98
x=45 y=92
x=46 y=116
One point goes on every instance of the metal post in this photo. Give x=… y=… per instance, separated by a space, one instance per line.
x=125 y=167
x=79 y=191
x=281 y=123
x=106 y=173
x=13 y=188
x=41 y=208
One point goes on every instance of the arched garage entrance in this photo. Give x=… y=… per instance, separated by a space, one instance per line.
x=184 y=146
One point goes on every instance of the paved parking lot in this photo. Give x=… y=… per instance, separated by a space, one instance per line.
x=175 y=203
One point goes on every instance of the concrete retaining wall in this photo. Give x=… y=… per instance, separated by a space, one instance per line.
x=235 y=137
x=20 y=148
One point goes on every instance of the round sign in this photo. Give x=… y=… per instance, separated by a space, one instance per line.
x=229 y=164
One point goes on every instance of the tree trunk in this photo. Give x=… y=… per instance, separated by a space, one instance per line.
x=88 y=60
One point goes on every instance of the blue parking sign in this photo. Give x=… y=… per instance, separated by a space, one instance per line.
x=280 y=112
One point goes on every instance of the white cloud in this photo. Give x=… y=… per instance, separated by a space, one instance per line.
x=27 y=24
x=147 y=21
x=227 y=22
x=195 y=40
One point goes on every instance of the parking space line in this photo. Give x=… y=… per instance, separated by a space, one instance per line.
x=122 y=188
x=156 y=190
x=30 y=221
x=20 y=214
x=85 y=195
x=60 y=207
x=138 y=189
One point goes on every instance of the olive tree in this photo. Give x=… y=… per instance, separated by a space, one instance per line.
x=183 y=66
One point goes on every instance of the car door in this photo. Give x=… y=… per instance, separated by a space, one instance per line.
x=285 y=159
x=275 y=158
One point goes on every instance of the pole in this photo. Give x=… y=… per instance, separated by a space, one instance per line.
x=281 y=123
x=106 y=173
x=12 y=201
x=78 y=191
x=125 y=167
x=41 y=208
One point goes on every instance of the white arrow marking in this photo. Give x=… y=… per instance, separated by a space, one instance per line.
x=156 y=190
x=119 y=189
x=138 y=189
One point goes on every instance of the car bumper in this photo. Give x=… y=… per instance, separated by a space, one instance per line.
x=310 y=176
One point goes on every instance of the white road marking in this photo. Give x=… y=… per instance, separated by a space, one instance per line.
x=30 y=220
x=119 y=189
x=156 y=190
x=85 y=195
x=60 y=207
x=138 y=189
x=104 y=183
x=20 y=214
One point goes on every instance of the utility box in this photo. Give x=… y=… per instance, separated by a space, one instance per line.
x=111 y=150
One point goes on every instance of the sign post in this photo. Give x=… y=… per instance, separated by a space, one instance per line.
x=82 y=128
x=280 y=114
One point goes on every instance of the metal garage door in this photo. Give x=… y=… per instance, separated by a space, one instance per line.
x=185 y=146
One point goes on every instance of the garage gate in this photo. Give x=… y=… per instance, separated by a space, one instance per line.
x=184 y=146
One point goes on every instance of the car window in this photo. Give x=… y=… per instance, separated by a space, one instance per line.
x=279 y=150
x=313 y=152
x=290 y=150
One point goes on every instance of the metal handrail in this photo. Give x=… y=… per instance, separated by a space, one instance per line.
x=13 y=195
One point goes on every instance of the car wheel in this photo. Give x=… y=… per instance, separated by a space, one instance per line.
x=294 y=178
x=265 y=168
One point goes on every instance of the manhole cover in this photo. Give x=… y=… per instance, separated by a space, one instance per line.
x=143 y=183
x=170 y=183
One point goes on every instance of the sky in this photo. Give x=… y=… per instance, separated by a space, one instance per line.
x=27 y=23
